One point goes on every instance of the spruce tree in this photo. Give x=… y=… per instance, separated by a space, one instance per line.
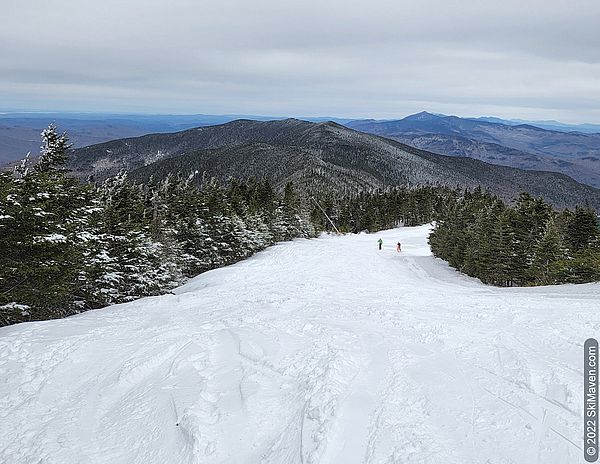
x=54 y=153
x=582 y=229
x=44 y=250
x=546 y=254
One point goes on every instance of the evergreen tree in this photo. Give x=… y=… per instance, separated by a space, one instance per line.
x=546 y=253
x=582 y=229
x=42 y=241
x=54 y=152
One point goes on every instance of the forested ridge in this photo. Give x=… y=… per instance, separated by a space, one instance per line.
x=316 y=157
x=67 y=246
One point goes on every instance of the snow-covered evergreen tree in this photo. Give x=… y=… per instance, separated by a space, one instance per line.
x=54 y=151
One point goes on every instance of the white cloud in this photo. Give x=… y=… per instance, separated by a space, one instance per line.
x=379 y=58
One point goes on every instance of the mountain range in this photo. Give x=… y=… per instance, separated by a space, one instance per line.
x=20 y=132
x=523 y=146
x=319 y=156
x=545 y=124
x=498 y=141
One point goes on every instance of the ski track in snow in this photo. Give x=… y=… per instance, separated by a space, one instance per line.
x=313 y=351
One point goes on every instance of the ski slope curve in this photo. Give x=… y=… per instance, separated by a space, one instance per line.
x=313 y=351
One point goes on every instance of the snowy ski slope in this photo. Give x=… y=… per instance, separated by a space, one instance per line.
x=315 y=351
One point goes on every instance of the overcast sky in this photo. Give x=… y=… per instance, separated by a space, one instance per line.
x=535 y=59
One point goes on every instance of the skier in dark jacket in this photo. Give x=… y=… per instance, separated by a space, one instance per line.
x=380 y=243
x=398 y=247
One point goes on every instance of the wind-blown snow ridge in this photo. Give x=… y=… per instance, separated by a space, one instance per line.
x=315 y=351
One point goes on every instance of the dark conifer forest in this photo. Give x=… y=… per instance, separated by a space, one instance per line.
x=68 y=246
x=527 y=243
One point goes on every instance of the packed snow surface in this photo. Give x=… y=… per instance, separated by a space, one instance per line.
x=313 y=351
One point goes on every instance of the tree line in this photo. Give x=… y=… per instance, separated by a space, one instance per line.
x=528 y=243
x=382 y=208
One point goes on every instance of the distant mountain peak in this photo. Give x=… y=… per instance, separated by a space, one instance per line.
x=422 y=116
x=523 y=145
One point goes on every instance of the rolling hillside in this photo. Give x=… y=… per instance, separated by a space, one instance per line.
x=320 y=155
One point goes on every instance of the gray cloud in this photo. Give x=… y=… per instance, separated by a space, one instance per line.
x=380 y=58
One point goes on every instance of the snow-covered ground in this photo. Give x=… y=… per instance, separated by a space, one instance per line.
x=314 y=351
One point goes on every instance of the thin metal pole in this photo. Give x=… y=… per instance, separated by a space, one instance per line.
x=328 y=218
